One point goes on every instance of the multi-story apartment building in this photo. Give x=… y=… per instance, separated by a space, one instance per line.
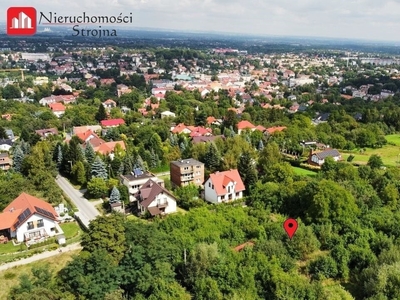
x=184 y=172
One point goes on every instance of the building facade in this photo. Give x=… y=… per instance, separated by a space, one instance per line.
x=187 y=171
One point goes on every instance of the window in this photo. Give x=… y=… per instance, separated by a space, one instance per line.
x=209 y=184
x=186 y=168
x=30 y=225
x=40 y=223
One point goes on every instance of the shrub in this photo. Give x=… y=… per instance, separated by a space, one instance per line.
x=10 y=275
x=323 y=267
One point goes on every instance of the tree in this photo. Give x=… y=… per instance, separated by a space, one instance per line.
x=59 y=158
x=247 y=170
x=90 y=155
x=97 y=187
x=79 y=173
x=115 y=195
x=3 y=134
x=212 y=158
x=101 y=113
x=99 y=169
x=18 y=159
x=260 y=145
x=375 y=161
x=106 y=233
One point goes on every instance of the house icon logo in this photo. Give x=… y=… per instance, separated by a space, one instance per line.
x=21 y=21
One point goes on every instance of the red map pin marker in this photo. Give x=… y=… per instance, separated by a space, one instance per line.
x=290 y=226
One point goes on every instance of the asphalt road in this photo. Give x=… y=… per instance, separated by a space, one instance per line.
x=87 y=211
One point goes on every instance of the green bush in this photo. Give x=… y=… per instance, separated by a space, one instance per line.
x=10 y=275
x=323 y=267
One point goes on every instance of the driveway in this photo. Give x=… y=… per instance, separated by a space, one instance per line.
x=87 y=211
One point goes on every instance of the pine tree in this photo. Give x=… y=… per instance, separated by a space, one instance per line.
x=59 y=157
x=232 y=131
x=212 y=157
x=154 y=159
x=101 y=113
x=260 y=145
x=78 y=170
x=18 y=158
x=25 y=147
x=247 y=170
x=173 y=140
x=90 y=155
x=182 y=147
x=115 y=195
x=99 y=169
x=140 y=163
x=75 y=151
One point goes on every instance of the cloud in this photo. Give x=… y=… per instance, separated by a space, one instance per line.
x=368 y=19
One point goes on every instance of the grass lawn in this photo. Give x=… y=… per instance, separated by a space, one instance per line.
x=10 y=248
x=303 y=172
x=393 y=139
x=389 y=154
x=181 y=210
x=10 y=277
x=71 y=229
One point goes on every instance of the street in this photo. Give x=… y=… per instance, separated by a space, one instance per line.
x=87 y=211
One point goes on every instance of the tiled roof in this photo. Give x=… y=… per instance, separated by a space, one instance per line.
x=245 y=124
x=57 y=106
x=221 y=179
x=275 y=129
x=112 y=122
x=26 y=203
x=150 y=190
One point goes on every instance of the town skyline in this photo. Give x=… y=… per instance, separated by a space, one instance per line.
x=359 y=20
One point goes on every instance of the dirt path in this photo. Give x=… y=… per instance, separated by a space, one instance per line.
x=40 y=256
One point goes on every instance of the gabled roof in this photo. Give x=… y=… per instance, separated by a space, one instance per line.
x=22 y=208
x=149 y=191
x=245 y=125
x=275 y=129
x=220 y=180
x=327 y=153
x=112 y=122
x=57 y=106
x=85 y=135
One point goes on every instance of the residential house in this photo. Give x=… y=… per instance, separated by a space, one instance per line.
x=80 y=129
x=29 y=219
x=136 y=180
x=6 y=144
x=245 y=125
x=272 y=130
x=155 y=199
x=5 y=161
x=57 y=108
x=167 y=114
x=109 y=104
x=318 y=158
x=112 y=123
x=187 y=171
x=224 y=187
x=205 y=139
x=191 y=130
x=46 y=132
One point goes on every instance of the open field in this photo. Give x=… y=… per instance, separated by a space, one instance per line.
x=303 y=172
x=10 y=277
x=389 y=154
x=393 y=139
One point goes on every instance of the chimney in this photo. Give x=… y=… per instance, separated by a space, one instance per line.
x=11 y=209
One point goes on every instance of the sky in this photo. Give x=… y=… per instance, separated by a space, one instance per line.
x=349 y=19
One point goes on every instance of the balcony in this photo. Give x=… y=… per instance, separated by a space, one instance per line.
x=190 y=170
x=186 y=178
x=162 y=205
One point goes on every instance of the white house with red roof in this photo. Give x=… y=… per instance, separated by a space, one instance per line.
x=29 y=219
x=243 y=125
x=57 y=108
x=224 y=187
x=191 y=130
